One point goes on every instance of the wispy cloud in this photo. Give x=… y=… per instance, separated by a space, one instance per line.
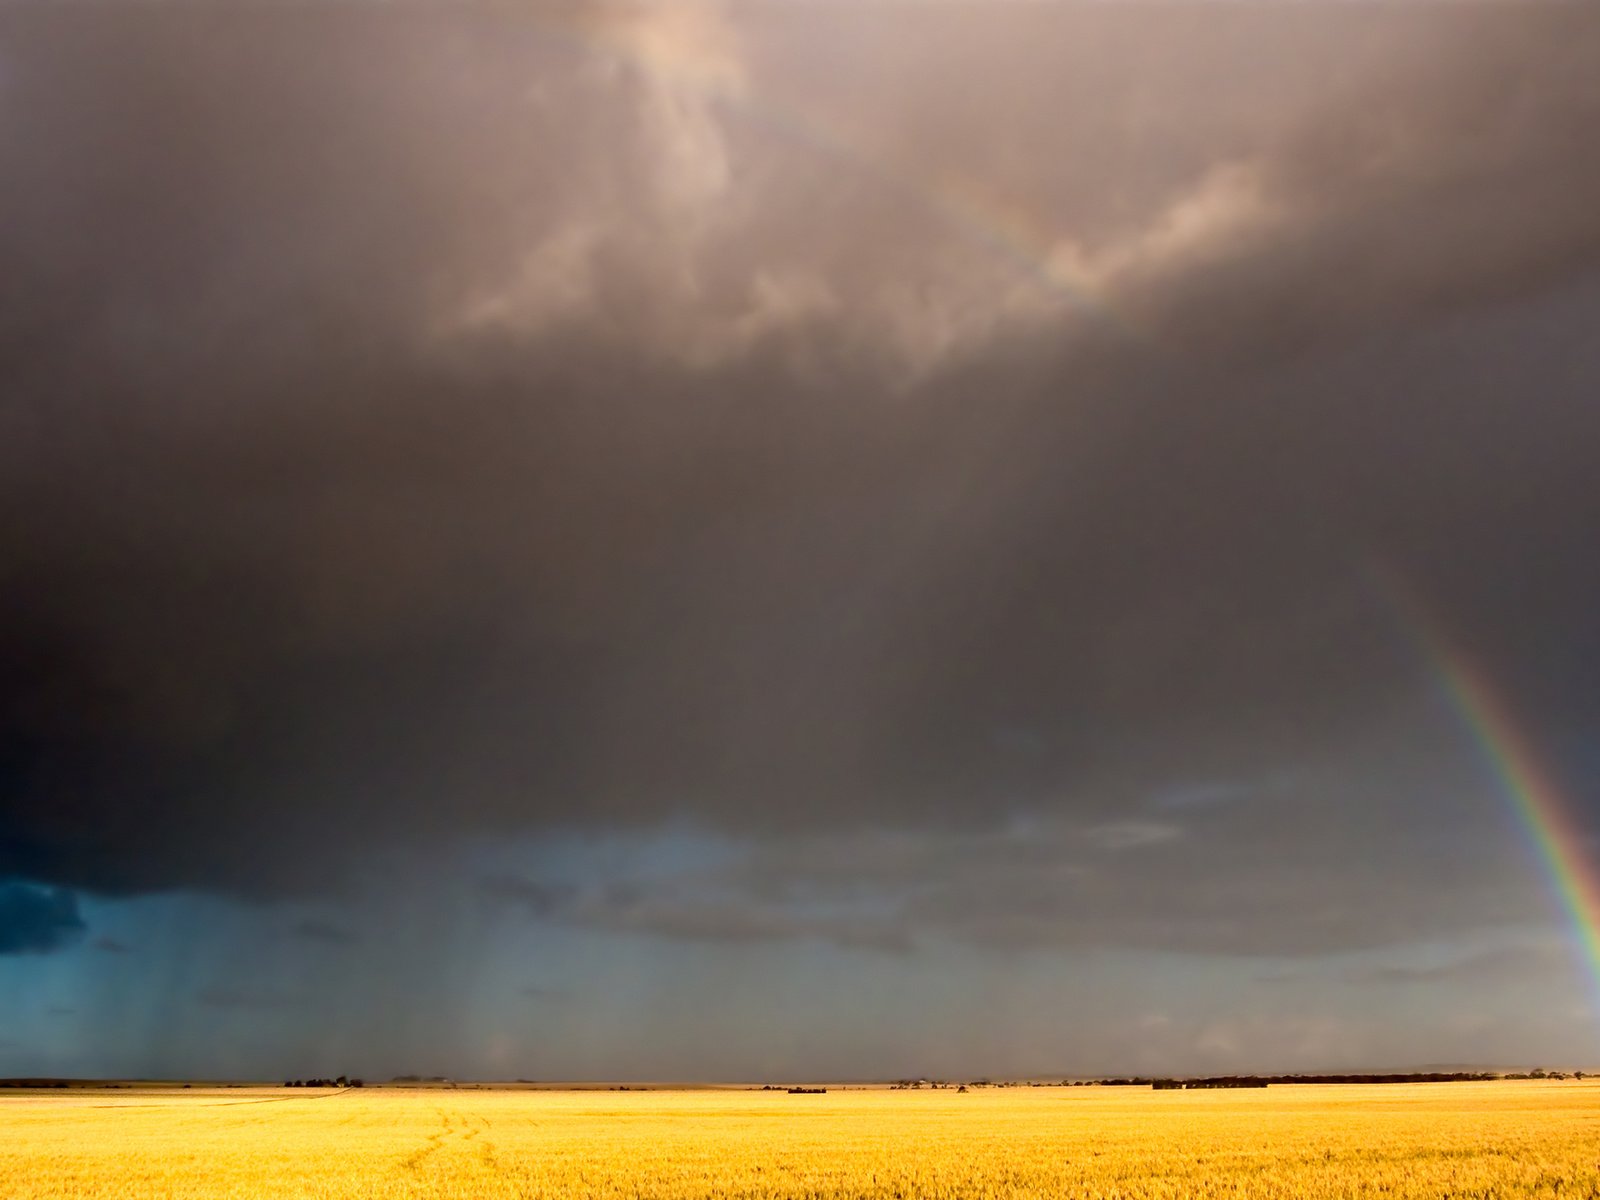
x=1131 y=835
x=1199 y=795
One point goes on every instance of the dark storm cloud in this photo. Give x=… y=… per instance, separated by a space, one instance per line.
x=110 y=945
x=489 y=421
x=37 y=920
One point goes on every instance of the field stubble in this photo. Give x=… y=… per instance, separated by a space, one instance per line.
x=1435 y=1140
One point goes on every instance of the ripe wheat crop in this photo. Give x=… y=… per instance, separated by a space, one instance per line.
x=1433 y=1140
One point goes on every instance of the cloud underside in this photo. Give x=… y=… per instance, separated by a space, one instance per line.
x=1285 y=872
x=37 y=920
x=501 y=422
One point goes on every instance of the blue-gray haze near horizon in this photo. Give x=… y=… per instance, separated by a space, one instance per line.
x=615 y=538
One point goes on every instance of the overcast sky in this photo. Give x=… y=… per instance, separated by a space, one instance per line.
x=625 y=539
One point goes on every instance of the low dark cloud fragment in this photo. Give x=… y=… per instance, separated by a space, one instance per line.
x=535 y=897
x=38 y=920
x=1495 y=963
x=110 y=945
x=325 y=932
x=1499 y=963
x=246 y=999
x=731 y=920
x=60 y=1010
x=709 y=908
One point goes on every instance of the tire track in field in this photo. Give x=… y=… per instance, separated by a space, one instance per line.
x=231 y=1103
x=487 y=1151
x=463 y=1133
x=433 y=1143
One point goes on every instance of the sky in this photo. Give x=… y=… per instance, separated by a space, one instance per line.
x=617 y=539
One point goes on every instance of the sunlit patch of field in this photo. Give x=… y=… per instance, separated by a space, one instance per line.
x=1434 y=1140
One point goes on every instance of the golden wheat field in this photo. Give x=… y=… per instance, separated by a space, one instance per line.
x=1434 y=1140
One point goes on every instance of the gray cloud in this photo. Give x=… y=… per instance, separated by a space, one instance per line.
x=836 y=455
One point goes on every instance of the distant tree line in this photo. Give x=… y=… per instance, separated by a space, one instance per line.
x=1261 y=1081
x=340 y=1082
x=1161 y=1083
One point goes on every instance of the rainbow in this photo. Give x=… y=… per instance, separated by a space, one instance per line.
x=1534 y=794
x=1001 y=231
